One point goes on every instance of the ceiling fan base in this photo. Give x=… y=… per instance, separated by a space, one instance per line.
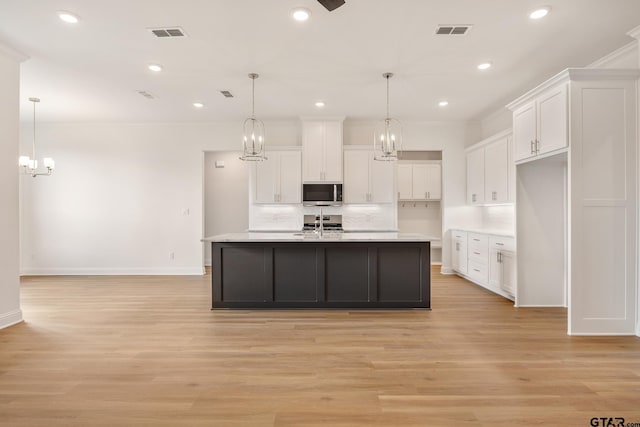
x=331 y=4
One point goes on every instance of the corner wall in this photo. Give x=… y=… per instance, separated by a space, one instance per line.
x=10 y=312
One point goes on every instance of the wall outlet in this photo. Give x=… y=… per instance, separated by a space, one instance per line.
x=185 y=212
x=172 y=255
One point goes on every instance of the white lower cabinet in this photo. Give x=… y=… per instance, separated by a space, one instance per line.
x=485 y=259
x=502 y=267
x=459 y=259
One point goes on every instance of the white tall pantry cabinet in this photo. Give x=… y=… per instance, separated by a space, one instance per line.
x=596 y=146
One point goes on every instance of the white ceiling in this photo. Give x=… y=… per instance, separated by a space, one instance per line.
x=91 y=71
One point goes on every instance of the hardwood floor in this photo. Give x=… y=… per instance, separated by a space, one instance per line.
x=147 y=351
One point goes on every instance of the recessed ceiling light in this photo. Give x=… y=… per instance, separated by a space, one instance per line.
x=320 y=104
x=541 y=12
x=68 y=17
x=484 y=66
x=300 y=14
x=198 y=104
x=443 y=103
x=155 y=68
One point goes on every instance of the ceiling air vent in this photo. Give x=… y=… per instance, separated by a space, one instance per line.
x=453 y=30
x=226 y=93
x=146 y=94
x=168 y=32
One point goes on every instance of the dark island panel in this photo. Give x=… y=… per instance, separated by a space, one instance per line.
x=247 y=275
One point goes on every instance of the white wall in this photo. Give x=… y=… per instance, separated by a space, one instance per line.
x=123 y=198
x=226 y=195
x=10 y=312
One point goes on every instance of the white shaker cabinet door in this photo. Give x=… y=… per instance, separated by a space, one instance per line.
x=290 y=177
x=405 y=178
x=332 y=152
x=420 y=182
x=381 y=180
x=475 y=177
x=552 y=121
x=524 y=131
x=313 y=151
x=356 y=176
x=496 y=172
x=265 y=180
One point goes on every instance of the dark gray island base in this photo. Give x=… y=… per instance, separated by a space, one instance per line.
x=320 y=273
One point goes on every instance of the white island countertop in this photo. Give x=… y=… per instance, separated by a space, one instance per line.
x=327 y=237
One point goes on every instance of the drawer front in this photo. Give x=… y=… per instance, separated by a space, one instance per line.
x=457 y=234
x=502 y=243
x=478 y=271
x=478 y=246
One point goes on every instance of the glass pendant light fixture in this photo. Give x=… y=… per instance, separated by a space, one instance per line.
x=253 y=132
x=28 y=165
x=387 y=137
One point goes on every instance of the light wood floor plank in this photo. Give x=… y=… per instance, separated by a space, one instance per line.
x=147 y=351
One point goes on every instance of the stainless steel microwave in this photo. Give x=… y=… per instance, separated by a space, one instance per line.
x=321 y=194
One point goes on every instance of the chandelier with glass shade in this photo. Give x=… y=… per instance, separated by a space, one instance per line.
x=253 y=132
x=387 y=137
x=29 y=165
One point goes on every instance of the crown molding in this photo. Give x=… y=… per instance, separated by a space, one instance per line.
x=12 y=52
x=627 y=49
x=635 y=33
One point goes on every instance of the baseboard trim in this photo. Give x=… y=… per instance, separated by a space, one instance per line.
x=447 y=270
x=160 y=271
x=10 y=318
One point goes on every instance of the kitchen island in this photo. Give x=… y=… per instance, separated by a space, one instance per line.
x=305 y=270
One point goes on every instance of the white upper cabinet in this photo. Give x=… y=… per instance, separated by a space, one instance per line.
x=496 y=171
x=278 y=179
x=490 y=171
x=367 y=180
x=322 y=150
x=475 y=177
x=540 y=126
x=419 y=181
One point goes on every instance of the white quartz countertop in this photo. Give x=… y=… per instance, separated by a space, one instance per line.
x=327 y=237
x=492 y=232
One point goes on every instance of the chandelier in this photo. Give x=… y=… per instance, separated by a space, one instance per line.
x=253 y=132
x=28 y=165
x=387 y=137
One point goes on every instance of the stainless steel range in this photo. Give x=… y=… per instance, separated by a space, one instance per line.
x=329 y=223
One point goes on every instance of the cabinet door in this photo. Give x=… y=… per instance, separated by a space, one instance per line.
x=475 y=177
x=434 y=181
x=313 y=151
x=459 y=251
x=420 y=176
x=496 y=172
x=524 y=131
x=290 y=177
x=381 y=180
x=552 y=120
x=356 y=176
x=405 y=178
x=332 y=151
x=265 y=179
x=508 y=262
x=495 y=269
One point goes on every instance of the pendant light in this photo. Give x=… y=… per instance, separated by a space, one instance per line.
x=253 y=132
x=387 y=137
x=29 y=166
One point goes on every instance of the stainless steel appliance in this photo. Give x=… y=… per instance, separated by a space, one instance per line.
x=329 y=223
x=321 y=194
